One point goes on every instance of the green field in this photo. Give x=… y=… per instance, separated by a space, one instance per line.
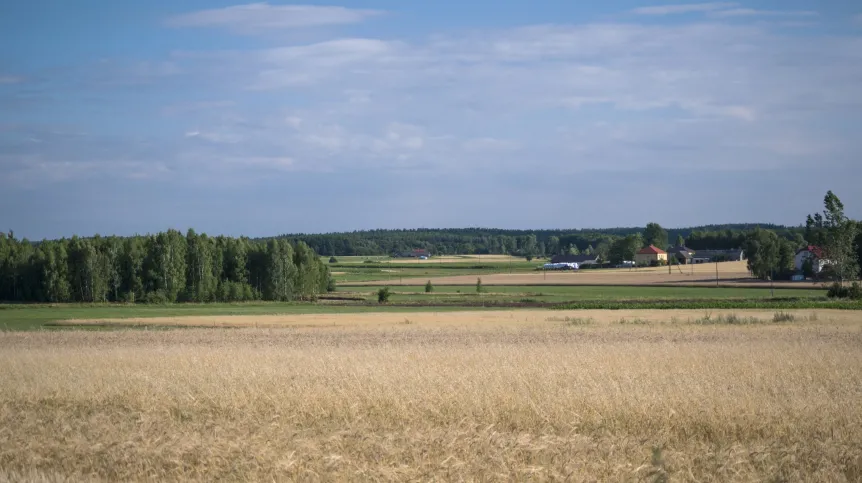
x=573 y=293
x=357 y=269
x=22 y=317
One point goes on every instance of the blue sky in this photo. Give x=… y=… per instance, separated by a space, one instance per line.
x=266 y=118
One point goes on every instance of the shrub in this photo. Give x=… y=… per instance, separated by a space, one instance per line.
x=236 y=292
x=330 y=285
x=129 y=297
x=333 y=260
x=383 y=295
x=838 y=291
x=783 y=317
x=855 y=291
x=479 y=285
x=730 y=319
x=573 y=321
x=428 y=287
x=156 y=298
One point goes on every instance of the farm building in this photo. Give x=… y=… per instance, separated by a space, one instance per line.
x=709 y=256
x=682 y=254
x=813 y=253
x=650 y=254
x=418 y=253
x=579 y=259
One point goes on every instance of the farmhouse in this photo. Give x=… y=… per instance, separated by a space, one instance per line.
x=649 y=255
x=581 y=260
x=813 y=253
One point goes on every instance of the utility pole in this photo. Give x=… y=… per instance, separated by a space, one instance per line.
x=772 y=281
x=716 y=273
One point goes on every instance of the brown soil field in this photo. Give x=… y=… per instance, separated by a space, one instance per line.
x=519 y=396
x=475 y=320
x=730 y=274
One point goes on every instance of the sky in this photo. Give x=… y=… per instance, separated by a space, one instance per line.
x=266 y=118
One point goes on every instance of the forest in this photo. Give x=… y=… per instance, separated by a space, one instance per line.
x=162 y=268
x=170 y=267
x=468 y=241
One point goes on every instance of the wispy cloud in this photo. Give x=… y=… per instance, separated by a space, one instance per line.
x=569 y=99
x=682 y=8
x=260 y=17
x=10 y=79
x=750 y=12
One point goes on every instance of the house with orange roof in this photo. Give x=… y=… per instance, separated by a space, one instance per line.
x=650 y=255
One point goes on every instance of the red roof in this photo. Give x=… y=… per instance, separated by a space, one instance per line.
x=651 y=250
x=816 y=251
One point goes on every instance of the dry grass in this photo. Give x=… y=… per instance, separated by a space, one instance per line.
x=540 y=400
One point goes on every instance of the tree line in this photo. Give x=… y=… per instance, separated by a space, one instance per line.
x=162 y=268
x=535 y=243
x=837 y=238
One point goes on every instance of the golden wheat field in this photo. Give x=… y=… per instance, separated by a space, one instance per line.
x=563 y=396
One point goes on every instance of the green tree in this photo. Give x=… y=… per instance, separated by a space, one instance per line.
x=786 y=264
x=55 y=275
x=479 y=285
x=131 y=269
x=858 y=241
x=835 y=234
x=165 y=265
x=530 y=246
x=201 y=282
x=87 y=274
x=763 y=249
x=655 y=235
x=553 y=245
x=603 y=250
x=428 y=287
x=680 y=241
x=308 y=276
x=624 y=249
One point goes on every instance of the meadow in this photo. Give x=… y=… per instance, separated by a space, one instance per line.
x=490 y=396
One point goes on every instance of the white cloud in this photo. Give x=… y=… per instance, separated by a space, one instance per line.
x=571 y=98
x=259 y=17
x=750 y=12
x=545 y=98
x=682 y=8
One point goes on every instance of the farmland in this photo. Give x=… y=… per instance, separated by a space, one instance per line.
x=497 y=270
x=696 y=373
x=584 y=396
x=362 y=299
